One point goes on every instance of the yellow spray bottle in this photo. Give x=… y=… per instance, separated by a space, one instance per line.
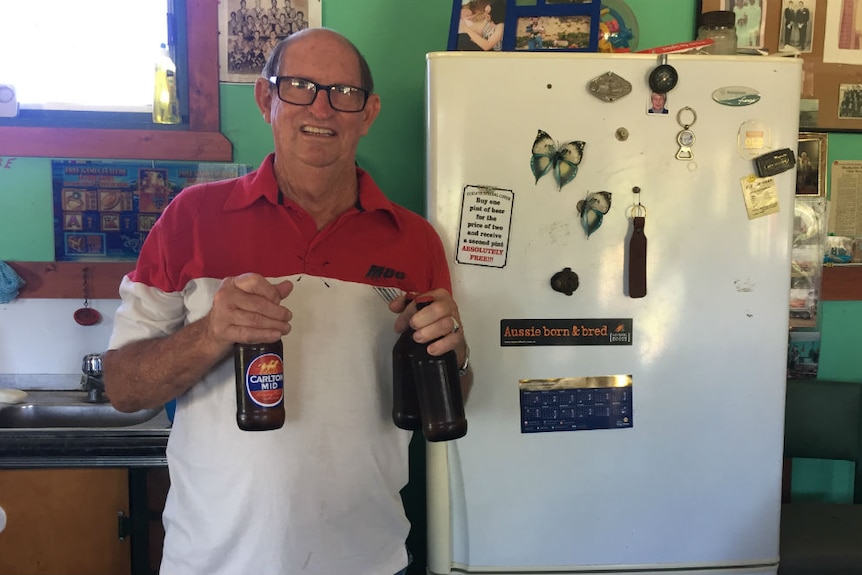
x=166 y=106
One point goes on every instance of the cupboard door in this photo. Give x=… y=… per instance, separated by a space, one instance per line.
x=64 y=521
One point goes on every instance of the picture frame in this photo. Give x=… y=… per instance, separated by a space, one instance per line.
x=249 y=29
x=832 y=63
x=811 y=165
x=518 y=25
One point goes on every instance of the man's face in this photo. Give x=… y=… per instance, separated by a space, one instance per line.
x=316 y=135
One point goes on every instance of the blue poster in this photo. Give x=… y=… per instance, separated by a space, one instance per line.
x=104 y=210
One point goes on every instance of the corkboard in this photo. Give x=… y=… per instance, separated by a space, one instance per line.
x=822 y=82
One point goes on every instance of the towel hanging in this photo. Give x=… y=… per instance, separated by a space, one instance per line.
x=10 y=283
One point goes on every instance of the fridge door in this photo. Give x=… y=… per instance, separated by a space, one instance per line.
x=681 y=467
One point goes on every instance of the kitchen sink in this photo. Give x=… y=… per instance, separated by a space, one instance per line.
x=52 y=408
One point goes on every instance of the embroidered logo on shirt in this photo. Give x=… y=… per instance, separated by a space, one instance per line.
x=376 y=272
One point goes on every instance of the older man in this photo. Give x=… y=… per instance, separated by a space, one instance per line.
x=294 y=251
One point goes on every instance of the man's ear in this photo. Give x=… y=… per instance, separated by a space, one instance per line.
x=263 y=98
x=372 y=109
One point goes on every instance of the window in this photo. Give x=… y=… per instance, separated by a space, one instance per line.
x=199 y=140
x=113 y=61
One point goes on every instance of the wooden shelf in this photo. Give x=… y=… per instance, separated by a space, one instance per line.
x=66 y=279
x=841 y=283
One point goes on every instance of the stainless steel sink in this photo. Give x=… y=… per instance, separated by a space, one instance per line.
x=44 y=408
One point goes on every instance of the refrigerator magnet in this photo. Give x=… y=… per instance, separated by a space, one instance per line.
x=736 y=96
x=550 y=156
x=761 y=196
x=657 y=104
x=609 y=87
x=664 y=77
x=486 y=219
x=592 y=210
x=753 y=139
x=565 y=281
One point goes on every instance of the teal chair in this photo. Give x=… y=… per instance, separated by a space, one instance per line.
x=823 y=420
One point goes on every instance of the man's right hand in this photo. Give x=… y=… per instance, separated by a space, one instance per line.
x=247 y=309
x=149 y=372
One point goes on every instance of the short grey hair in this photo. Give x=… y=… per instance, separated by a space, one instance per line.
x=274 y=61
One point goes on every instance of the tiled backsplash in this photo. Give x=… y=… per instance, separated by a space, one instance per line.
x=42 y=346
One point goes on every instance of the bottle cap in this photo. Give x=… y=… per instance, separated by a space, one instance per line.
x=718 y=18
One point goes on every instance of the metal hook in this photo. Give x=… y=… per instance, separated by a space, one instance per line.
x=85 y=286
x=638 y=209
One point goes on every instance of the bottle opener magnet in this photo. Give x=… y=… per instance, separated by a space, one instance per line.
x=685 y=138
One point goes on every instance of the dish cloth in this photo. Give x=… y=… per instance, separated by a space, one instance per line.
x=12 y=396
x=10 y=282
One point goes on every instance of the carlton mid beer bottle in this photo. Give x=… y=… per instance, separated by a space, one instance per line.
x=259 y=385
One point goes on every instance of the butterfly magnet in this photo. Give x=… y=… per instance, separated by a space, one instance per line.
x=592 y=210
x=562 y=160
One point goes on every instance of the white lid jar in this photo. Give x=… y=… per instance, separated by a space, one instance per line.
x=720 y=27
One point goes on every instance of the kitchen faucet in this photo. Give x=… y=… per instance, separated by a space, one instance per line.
x=92 y=381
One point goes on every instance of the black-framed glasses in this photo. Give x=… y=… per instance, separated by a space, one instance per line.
x=302 y=92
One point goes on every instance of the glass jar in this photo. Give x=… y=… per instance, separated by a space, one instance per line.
x=720 y=27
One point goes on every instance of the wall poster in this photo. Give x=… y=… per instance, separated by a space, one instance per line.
x=104 y=210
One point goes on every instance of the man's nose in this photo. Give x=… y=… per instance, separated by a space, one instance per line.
x=320 y=103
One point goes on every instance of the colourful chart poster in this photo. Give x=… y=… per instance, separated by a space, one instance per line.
x=104 y=210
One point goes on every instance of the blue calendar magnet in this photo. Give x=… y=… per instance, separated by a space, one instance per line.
x=576 y=403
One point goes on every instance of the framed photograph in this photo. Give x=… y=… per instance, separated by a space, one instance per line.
x=507 y=25
x=822 y=33
x=803 y=354
x=250 y=29
x=811 y=165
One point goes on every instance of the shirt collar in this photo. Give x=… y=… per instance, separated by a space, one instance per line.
x=262 y=184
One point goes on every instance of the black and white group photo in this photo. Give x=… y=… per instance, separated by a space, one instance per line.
x=254 y=27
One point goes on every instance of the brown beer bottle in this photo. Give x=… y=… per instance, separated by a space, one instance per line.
x=259 y=371
x=405 y=406
x=438 y=390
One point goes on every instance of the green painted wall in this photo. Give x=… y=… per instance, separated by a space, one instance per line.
x=395 y=38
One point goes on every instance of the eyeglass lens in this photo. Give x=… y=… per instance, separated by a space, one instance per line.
x=302 y=92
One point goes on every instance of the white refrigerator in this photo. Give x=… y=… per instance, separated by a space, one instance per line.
x=628 y=405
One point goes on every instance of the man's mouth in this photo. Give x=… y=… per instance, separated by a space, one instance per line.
x=317 y=131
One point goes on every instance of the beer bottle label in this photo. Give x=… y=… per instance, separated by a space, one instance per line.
x=264 y=380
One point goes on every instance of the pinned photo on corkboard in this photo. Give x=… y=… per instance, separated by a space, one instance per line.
x=750 y=18
x=250 y=29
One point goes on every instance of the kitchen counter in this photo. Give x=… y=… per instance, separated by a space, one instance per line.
x=141 y=445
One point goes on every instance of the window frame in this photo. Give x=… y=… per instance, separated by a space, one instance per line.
x=202 y=141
